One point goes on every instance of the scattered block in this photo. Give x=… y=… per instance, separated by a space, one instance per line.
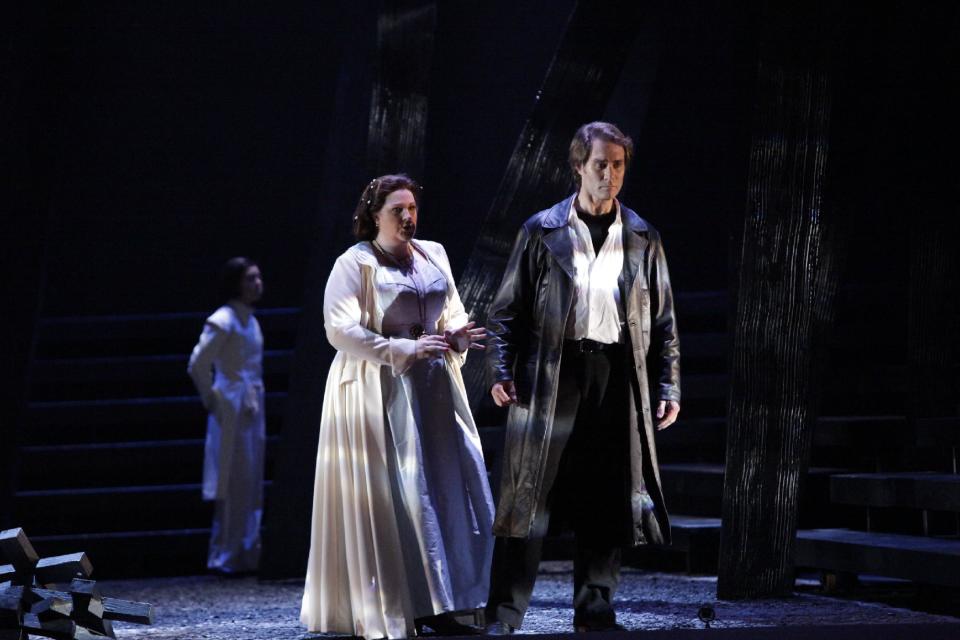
x=63 y=568
x=52 y=609
x=16 y=548
x=57 y=629
x=127 y=611
x=28 y=606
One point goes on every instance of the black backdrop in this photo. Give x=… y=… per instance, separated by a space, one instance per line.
x=190 y=132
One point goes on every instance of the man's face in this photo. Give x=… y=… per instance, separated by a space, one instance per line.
x=601 y=176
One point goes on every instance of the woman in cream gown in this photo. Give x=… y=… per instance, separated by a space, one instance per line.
x=402 y=510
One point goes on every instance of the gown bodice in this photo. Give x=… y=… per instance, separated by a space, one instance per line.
x=412 y=299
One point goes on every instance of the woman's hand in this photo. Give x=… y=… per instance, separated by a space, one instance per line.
x=430 y=346
x=466 y=337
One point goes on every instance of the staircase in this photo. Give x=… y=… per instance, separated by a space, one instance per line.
x=111 y=458
x=905 y=524
x=897 y=512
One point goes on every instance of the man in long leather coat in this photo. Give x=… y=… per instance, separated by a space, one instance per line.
x=583 y=346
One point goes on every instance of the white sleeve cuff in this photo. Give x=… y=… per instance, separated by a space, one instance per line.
x=403 y=353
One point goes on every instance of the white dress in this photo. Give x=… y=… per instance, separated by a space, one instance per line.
x=402 y=510
x=232 y=345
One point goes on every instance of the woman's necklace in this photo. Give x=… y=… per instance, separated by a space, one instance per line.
x=403 y=262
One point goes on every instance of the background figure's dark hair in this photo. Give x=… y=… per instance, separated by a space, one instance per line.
x=231 y=277
x=372 y=199
x=583 y=139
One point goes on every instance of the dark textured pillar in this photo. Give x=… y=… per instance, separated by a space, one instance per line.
x=396 y=43
x=398 y=105
x=575 y=90
x=785 y=283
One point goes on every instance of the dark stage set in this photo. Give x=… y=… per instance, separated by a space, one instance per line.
x=799 y=160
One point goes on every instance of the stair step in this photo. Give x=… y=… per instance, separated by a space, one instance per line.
x=74 y=511
x=82 y=421
x=106 y=464
x=917 y=558
x=128 y=554
x=693 y=439
x=147 y=334
x=132 y=376
x=705 y=385
x=152 y=368
x=694 y=548
x=693 y=488
x=878 y=389
x=888 y=431
x=697 y=489
x=690 y=531
x=705 y=345
x=701 y=310
x=938 y=431
x=912 y=490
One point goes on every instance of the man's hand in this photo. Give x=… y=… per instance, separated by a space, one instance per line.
x=667 y=412
x=504 y=394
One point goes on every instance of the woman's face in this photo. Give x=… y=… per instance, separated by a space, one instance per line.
x=397 y=218
x=252 y=286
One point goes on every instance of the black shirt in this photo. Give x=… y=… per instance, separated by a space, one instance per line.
x=598 y=226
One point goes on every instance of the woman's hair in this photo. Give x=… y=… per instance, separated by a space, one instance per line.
x=583 y=139
x=372 y=199
x=231 y=277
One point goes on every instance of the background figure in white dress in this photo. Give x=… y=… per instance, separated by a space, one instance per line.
x=402 y=512
x=226 y=367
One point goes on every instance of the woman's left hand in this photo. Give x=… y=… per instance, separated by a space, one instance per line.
x=466 y=337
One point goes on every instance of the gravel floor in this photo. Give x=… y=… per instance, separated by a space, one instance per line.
x=245 y=609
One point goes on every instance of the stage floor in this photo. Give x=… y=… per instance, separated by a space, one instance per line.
x=218 y=608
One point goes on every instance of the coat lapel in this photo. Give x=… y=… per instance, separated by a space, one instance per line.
x=556 y=237
x=634 y=246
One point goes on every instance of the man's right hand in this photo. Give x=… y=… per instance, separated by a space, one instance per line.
x=504 y=394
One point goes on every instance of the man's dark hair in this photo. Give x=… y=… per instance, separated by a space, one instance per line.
x=372 y=199
x=231 y=277
x=583 y=139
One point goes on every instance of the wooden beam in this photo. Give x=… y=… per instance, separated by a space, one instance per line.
x=785 y=282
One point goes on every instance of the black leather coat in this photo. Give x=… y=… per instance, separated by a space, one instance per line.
x=526 y=326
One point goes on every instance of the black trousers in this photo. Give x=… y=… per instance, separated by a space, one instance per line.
x=588 y=482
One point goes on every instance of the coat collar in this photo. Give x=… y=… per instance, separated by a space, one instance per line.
x=555 y=239
x=559 y=244
x=557 y=216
